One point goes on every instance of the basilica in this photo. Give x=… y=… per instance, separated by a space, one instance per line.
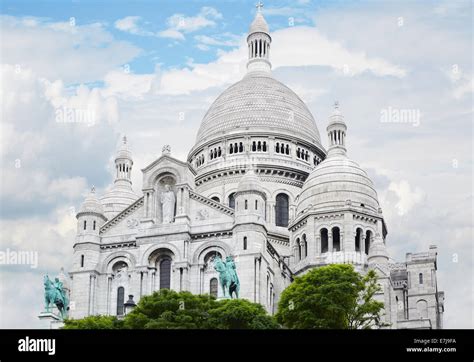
x=257 y=186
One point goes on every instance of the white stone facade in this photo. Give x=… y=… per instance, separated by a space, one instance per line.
x=258 y=186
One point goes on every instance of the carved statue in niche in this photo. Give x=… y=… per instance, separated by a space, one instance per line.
x=168 y=202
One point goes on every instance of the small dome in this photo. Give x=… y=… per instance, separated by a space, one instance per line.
x=335 y=183
x=378 y=252
x=92 y=204
x=259 y=25
x=118 y=198
x=250 y=182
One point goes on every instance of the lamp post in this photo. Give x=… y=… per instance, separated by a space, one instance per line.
x=129 y=304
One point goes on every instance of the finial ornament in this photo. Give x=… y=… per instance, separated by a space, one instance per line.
x=93 y=189
x=166 y=150
x=336 y=105
x=259 y=6
x=124 y=140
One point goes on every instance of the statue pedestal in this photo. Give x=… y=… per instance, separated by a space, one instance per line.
x=55 y=321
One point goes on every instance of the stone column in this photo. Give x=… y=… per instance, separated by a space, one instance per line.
x=179 y=201
x=330 y=246
x=153 y=281
x=109 y=293
x=92 y=279
x=145 y=285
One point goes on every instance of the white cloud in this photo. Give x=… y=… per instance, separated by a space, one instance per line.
x=407 y=198
x=71 y=49
x=224 y=40
x=130 y=25
x=179 y=23
x=172 y=34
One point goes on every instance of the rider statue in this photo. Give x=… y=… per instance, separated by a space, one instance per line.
x=54 y=293
x=227 y=276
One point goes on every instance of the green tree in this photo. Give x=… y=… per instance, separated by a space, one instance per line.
x=240 y=314
x=167 y=309
x=172 y=310
x=334 y=296
x=94 y=322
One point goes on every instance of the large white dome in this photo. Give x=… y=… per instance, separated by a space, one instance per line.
x=259 y=102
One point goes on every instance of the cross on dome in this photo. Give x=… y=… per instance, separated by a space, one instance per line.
x=259 y=6
x=124 y=139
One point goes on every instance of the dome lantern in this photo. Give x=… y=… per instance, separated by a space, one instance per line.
x=336 y=132
x=123 y=163
x=259 y=41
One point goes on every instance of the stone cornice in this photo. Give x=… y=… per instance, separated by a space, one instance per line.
x=211 y=203
x=119 y=245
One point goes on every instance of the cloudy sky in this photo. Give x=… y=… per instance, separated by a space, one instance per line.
x=151 y=71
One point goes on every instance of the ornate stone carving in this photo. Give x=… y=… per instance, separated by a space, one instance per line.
x=166 y=150
x=132 y=223
x=202 y=214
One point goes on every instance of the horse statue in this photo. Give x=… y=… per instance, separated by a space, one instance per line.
x=54 y=294
x=227 y=276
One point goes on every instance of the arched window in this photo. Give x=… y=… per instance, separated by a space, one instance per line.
x=298 y=152
x=305 y=246
x=256 y=204
x=85 y=224
x=232 y=200
x=231 y=148
x=324 y=241
x=93 y=225
x=219 y=152
x=213 y=285
x=246 y=204
x=165 y=273
x=254 y=146
x=259 y=146
x=82 y=261
x=287 y=150
x=245 y=243
x=120 y=300
x=368 y=236
x=298 y=249
x=358 y=238
x=215 y=198
x=336 y=239
x=281 y=210
x=241 y=147
x=422 y=308
x=420 y=278
x=264 y=147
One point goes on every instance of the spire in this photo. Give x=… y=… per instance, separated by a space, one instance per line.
x=259 y=41
x=123 y=163
x=337 y=132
